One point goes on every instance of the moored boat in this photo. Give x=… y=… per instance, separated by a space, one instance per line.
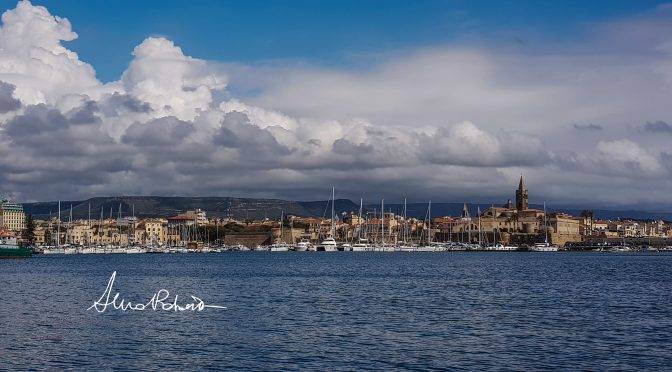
x=279 y=247
x=134 y=250
x=361 y=247
x=10 y=249
x=346 y=247
x=328 y=245
x=302 y=246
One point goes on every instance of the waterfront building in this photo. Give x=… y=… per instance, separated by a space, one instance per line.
x=288 y=235
x=189 y=218
x=151 y=231
x=12 y=216
x=353 y=219
x=520 y=224
x=128 y=221
x=79 y=233
x=563 y=228
x=40 y=233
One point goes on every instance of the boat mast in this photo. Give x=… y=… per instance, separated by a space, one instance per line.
x=119 y=223
x=469 y=233
x=333 y=225
x=100 y=227
x=68 y=237
x=545 y=225
x=359 y=231
x=405 y=232
x=480 y=240
x=58 y=231
x=382 y=222
x=282 y=217
x=494 y=236
x=429 y=231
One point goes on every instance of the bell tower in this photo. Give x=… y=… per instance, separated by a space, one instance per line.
x=521 y=195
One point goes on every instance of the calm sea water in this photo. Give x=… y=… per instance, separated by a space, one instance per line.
x=343 y=311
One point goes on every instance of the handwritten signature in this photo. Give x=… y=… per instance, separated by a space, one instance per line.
x=159 y=301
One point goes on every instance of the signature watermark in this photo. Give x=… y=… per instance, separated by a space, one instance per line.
x=161 y=300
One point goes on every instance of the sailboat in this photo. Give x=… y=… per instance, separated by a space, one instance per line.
x=280 y=245
x=428 y=247
x=544 y=247
x=405 y=246
x=383 y=247
x=362 y=244
x=329 y=244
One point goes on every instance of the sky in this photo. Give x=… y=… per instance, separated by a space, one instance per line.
x=441 y=100
x=336 y=34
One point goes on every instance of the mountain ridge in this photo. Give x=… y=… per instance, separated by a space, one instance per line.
x=257 y=208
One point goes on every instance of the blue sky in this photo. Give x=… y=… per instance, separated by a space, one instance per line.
x=336 y=33
x=441 y=100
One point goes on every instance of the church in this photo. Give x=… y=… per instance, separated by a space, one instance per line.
x=513 y=219
x=517 y=224
x=522 y=224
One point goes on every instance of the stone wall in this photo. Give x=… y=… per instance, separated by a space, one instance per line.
x=249 y=240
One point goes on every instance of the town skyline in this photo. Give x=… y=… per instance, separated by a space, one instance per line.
x=241 y=223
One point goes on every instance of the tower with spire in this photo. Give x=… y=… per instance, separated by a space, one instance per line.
x=465 y=211
x=521 y=195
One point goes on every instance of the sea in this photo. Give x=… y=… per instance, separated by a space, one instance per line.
x=340 y=311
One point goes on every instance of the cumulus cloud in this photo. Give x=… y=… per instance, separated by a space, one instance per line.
x=164 y=132
x=172 y=83
x=33 y=59
x=625 y=156
x=619 y=158
x=466 y=144
x=446 y=122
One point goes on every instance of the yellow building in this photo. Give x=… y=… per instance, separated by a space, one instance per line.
x=151 y=231
x=12 y=216
x=40 y=234
x=564 y=228
x=80 y=233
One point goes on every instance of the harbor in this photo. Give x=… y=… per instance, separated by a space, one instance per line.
x=510 y=227
x=365 y=228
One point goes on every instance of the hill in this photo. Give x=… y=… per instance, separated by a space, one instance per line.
x=251 y=208
x=160 y=206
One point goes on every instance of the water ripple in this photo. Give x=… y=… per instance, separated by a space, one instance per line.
x=361 y=311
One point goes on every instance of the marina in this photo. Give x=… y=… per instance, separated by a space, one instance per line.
x=332 y=246
x=509 y=228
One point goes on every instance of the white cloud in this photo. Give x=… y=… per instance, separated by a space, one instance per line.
x=172 y=83
x=466 y=144
x=446 y=122
x=627 y=158
x=33 y=59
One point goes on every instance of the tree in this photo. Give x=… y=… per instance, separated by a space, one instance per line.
x=29 y=232
x=587 y=213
